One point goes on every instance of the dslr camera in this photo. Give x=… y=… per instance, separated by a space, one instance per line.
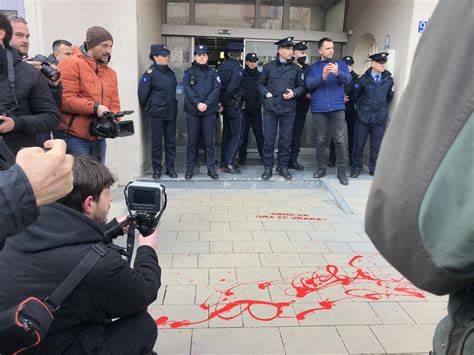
x=46 y=68
x=108 y=126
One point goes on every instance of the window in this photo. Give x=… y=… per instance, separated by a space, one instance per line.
x=177 y=12
x=271 y=15
x=239 y=13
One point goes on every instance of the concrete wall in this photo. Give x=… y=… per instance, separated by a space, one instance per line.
x=134 y=24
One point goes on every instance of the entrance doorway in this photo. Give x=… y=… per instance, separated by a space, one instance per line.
x=217 y=48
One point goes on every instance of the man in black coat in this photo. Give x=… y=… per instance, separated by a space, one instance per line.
x=374 y=90
x=253 y=107
x=231 y=99
x=157 y=93
x=26 y=104
x=201 y=88
x=281 y=82
x=36 y=261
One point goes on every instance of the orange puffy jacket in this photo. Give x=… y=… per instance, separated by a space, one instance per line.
x=85 y=82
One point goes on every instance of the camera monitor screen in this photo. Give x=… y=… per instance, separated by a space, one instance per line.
x=144 y=197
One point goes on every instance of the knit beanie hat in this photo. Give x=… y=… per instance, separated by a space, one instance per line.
x=96 y=35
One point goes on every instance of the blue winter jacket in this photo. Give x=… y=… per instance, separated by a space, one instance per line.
x=327 y=95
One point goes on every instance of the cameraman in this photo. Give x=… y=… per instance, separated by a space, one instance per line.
x=52 y=247
x=31 y=183
x=90 y=90
x=26 y=105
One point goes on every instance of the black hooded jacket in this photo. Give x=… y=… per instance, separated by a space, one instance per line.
x=37 y=260
x=36 y=112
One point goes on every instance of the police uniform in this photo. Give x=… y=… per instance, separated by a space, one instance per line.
x=231 y=99
x=374 y=92
x=252 y=110
x=350 y=113
x=278 y=113
x=201 y=85
x=157 y=93
x=302 y=107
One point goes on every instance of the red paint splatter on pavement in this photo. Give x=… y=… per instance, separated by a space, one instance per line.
x=354 y=282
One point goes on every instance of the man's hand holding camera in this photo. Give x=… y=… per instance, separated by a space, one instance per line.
x=151 y=240
x=101 y=109
x=7 y=124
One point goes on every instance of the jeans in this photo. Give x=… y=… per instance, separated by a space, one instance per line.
x=78 y=146
x=334 y=122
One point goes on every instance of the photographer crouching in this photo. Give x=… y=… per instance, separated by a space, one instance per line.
x=38 y=260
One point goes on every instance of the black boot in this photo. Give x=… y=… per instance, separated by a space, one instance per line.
x=285 y=173
x=156 y=175
x=172 y=174
x=231 y=169
x=355 y=174
x=189 y=174
x=319 y=173
x=294 y=165
x=341 y=175
x=267 y=174
x=212 y=174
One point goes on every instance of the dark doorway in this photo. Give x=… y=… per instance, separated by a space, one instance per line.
x=217 y=48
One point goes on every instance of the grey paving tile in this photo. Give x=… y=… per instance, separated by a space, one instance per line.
x=185 y=276
x=221 y=247
x=363 y=247
x=252 y=247
x=288 y=225
x=185 y=260
x=219 y=226
x=348 y=227
x=264 y=274
x=183 y=247
x=220 y=236
x=237 y=340
x=190 y=217
x=391 y=313
x=312 y=340
x=165 y=260
x=179 y=295
x=299 y=247
x=223 y=217
x=267 y=315
x=189 y=236
x=405 y=338
x=367 y=259
x=222 y=276
x=277 y=260
x=182 y=312
x=426 y=312
x=169 y=236
x=359 y=339
x=184 y=226
x=229 y=260
x=313 y=259
x=339 y=247
x=334 y=236
x=298 y=236
x=274 y=236
x=246 y=226
x=173 y=341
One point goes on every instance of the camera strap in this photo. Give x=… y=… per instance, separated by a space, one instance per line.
x=11 y=75
x=75 y=277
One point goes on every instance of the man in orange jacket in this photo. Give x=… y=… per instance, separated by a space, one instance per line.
x=90 y=89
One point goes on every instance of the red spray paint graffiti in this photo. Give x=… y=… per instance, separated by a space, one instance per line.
x=225 y=305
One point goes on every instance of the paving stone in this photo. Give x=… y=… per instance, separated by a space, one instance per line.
x=334 y=236
x=223 y=276
x=252 y=247
x=287 y=225
x=173 y=341
x=165 y=260
x=220 y=226
x=239 y=340
x=312 y=340
x=246 y=226
x=264 y=274
x=277 y=260
x=183 y=247
x=223 y=217
x=359 y=339
x=299 y=247
x=277 y=236
x=391 y=313
x=219 y=236
x=184 y=226
x=221 y=247
x=339 y=247
x=348 y=227
x=190 y=217
x=425 y=312
x=229 y=260
x=405 y=338
x=189 y=236
x=185 y=261
x=198 y=276
x=179 y=313
x=363 y=247
x=179 y=295
x=298 y=236
x=313 y=259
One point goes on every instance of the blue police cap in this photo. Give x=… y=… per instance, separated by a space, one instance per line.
x=300 y=46
x=235 y=46
x=379 y=57
x=201 y=49
x=285 y=42
x=251 y=57
x=348 y=60
x=159 y=49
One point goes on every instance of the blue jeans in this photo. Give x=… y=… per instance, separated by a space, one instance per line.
x=78 y=146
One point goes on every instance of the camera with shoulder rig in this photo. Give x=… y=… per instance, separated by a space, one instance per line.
x=109 y=126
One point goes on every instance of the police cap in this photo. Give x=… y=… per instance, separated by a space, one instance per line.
x=348 y=60
x=251 y=57
x=235 y=46
x=159 y=49
x=379 y=57
x=285 y=42
x=201 y=49
x=300 y=46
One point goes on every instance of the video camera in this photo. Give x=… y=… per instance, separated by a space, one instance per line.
x=46 y=68
x=108 y=126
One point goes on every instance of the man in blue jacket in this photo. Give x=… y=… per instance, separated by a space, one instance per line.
x=157 y=93
x=374 y=91
x=325 y=81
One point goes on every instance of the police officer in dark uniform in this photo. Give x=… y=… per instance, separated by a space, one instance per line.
x=374 y=90
x=300 y=53
x=280 y=83
x=253 y=106
x=231 y=99
x=201 y=87
x=157 y=93
x=350 y=111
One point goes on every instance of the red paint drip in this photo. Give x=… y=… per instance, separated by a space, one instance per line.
x=225 y=305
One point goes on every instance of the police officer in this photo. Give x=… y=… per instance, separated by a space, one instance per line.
x=157 y=93
x=253 y=106
x=280 y=83
x=201 y=87
x=300 y=53
x=231 y=99
x=374 y=90
x=350 y=111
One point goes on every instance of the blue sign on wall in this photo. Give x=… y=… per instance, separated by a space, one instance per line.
x=422 y=26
